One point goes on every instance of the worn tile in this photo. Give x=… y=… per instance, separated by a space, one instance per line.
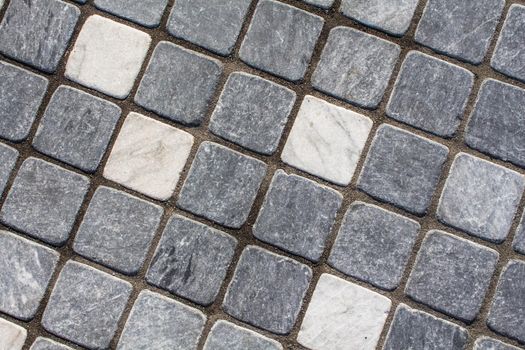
x=12 y=336
x=225 y=335
x=85 y=305
x=355 y=66
x=451 y=275
x=267 y=290
x=148 y=156
x=374 y=245
x=391 y=16
x=44 y=200
x=519 y=239
x=402 y=168
x=212 y=24
x=21 y=93
x=281 y=39
x=107 y=56
x=76 y=128
x=146 y=12
x=191 y=260
x=25 y=270
x=117 y=230
x=509 y=56
x=496 y=124
x=37 y=32
x=430 y=94
x=480 y=198
x=179 y=83
x=326 y=140
x=8 y=157
x=48 y=344
x=324 y=4
x=252 y=112
x=343 y=315
x=460 y=29
x=221 y=185
x=486 y=343
x=414 y=329
x=159 y=323
x=297 y=215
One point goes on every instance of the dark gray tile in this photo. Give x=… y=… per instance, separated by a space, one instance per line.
x=486 y=343
x=44 y=200
x=191 y=260
x=324 y=4
x=145 y=12
x=228 y=336
x=8 y=157
x=519 y=239
x=48 y=344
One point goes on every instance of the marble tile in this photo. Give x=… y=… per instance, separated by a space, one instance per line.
x=486 y=343
x=12 y=336
x=145 y=12
x=225 y=335
x=48 y=344
x=8 y=157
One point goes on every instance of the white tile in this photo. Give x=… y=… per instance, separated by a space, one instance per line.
x=326 y=140
x=12 y=336
x=107 y=56
x=343 y=315
x=148 y=156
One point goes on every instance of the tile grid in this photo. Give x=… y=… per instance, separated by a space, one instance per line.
x=350 y=193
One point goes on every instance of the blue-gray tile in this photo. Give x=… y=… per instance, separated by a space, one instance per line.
x=145 y=12
x=486 y=343
x=324 y=4
x=519 y=239
x=48 y=344
x=225 y=335
x=8 y=157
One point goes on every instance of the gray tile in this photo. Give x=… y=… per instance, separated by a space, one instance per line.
x=25 y=270
x=159 y=323
x=86 y=305
x=221 y=185
x=496 y=124
x=402 y=169
x=374 y=245
x=324 y=4
x=355 y=66
x=519 y=239
x=413 y=329
x=178 y=83
x=145 y=12
x=509 y=56
x=281 y=39
x=451 y=275
x=12 y=336
x=480 y=198
x=117 y=230
x=37 y=32
x=48 y=344
x=297 y=215
x=212 y=24
x=21 y=93
x=76 y=128
x=391 y=16
x=252 y=112
x=460 y=29
x=430 y=94
x=486 y=343
x=228 y=336
x=8 y=157
x=44 y=200
x=267 y=290
x=191 y=260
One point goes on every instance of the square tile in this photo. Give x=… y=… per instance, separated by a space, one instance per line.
x=281 y=39
x=486 y=343
x=509 y=57
x=25 y=270
x=44 y=200
x=8 y=157
x=212 y=24
x=38 y=32
x=107 y=56
x=86 y=305
x=414 y=329
x=343 y=315
x=252 y=112
x=374 y=245
x=21 y=93
x=76 y=128
x=324 y=4
x=117 y=230
x=391 y=16
x=12 y=336
x=355 y=67
x=191 y=260
x=157 y=322
x=326 y=140
x=146 y=12
x=480 y=198
x=47 y=344
x=297 y=215
x=148 y=156
x=496 y=124
x=225 y=335
x=430 y=94
x=179 y=84
x=267 y=290
x=506 y=315
x=451 y=275
x=460 y=29
x=221 y=185
x=402 y=168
